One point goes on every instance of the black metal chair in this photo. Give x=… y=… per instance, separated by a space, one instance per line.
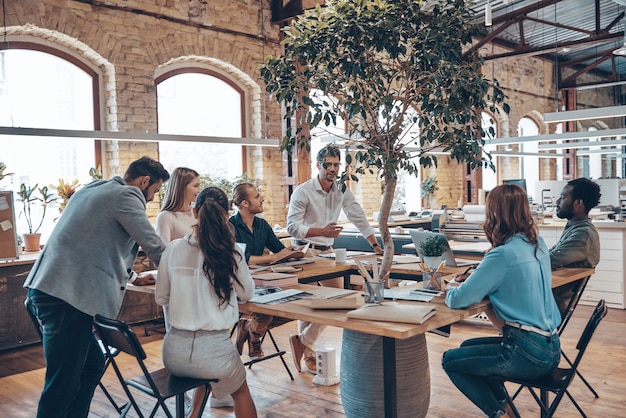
x=559 y=380
x=107 y=361
x=279 y=353
x=158 y=384
x=578 y=288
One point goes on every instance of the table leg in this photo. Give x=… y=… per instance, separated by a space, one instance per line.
x=389 y=377
x=383 y=376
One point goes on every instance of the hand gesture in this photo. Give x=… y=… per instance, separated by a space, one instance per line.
x=144 y=279
x=332 y=230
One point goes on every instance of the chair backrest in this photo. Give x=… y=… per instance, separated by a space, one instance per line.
x=598 y=314
x=578 y=288
x=117 y=334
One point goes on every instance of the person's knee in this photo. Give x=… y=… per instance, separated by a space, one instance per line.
x=242 y=391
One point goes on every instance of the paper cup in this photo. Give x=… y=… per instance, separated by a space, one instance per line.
x=340 y=255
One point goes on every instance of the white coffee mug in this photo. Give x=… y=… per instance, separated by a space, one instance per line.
x=340 y=255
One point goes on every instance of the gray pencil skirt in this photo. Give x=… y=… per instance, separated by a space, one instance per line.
x=204 y=354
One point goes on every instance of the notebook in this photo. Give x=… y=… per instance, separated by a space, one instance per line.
x=394 y=312
x=279 y=296
x=275 y=279
x=298 y=252
x=451 y=261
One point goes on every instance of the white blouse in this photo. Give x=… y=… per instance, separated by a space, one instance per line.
x=183 y=287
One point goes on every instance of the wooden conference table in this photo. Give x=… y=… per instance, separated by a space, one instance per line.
x=390 y=332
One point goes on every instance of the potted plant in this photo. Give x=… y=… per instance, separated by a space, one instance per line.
x=431 y=250
x=3 y=167
x=65 y=191
x=29 y=196
x=428 y=188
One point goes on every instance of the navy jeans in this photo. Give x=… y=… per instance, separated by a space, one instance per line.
x=74 y=361
x=518 y=353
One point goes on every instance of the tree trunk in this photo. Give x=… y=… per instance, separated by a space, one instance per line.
x=383 y=218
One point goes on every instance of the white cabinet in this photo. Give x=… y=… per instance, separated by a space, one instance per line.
x=608 y=282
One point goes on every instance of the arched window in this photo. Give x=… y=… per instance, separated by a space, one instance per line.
x=41 y=87
x=196 y=101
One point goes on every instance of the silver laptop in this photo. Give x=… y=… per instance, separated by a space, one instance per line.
x=420 y=236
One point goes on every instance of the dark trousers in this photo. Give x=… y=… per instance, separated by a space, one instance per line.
x=74 y=361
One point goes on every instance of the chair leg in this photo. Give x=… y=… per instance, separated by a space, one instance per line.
x=180 y=405
x=509 y=400
x=281 y=356
x=118 y=408
x=581 y=376
x=571 y=398
x=279 y=353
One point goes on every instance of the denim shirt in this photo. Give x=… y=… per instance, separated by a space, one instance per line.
x=517 y=281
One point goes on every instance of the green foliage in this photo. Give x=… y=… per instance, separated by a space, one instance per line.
x=381 y=61
x=96 y=173
x=396 y=73
x=227 y=185
x=29 y=196
x=429 y=187
x=3 y=167
x=433 y=246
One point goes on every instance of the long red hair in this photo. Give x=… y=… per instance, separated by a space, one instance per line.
x=507 y=214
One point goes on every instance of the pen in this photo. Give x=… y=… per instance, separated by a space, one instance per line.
x=434 y=292
x=467 y=270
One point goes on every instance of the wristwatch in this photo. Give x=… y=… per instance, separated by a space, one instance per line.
x=374 y=245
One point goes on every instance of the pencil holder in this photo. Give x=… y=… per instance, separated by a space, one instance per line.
x=431 y=280
x=374 y=291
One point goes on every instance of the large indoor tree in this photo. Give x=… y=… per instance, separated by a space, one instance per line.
x=397 y=72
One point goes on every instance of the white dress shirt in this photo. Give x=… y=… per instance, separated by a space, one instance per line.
x=312 y=207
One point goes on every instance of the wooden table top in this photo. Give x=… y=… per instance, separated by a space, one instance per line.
x=300 y=309
x=323 y=267
x=559 y=277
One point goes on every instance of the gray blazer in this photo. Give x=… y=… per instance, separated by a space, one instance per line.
x=90 y=254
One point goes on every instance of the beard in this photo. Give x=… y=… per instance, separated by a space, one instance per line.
x=144 y=191
x=564 y=213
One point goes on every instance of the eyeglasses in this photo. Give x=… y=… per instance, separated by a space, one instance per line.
x=328 y=165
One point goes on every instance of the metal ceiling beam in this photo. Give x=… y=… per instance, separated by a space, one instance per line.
x=545 y=49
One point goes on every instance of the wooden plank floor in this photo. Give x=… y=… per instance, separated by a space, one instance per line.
x=21 y=377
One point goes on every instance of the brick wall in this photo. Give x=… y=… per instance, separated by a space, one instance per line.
x=130 y=42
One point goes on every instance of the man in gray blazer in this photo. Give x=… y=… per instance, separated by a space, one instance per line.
x=83 y=270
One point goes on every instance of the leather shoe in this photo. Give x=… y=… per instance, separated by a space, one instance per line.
x=255 y=351
x=242 y=334
x=297 y=351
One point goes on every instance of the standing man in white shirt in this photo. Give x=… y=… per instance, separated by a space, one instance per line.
x=312 y=218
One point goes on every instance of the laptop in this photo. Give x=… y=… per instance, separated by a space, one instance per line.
x=420 y=236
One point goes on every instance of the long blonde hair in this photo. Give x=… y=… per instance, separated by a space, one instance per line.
x=507 y=214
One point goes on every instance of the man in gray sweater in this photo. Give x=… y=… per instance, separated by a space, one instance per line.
x=83 y=270
x=579 y=245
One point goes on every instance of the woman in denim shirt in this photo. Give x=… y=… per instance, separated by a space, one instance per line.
x=516 y=276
